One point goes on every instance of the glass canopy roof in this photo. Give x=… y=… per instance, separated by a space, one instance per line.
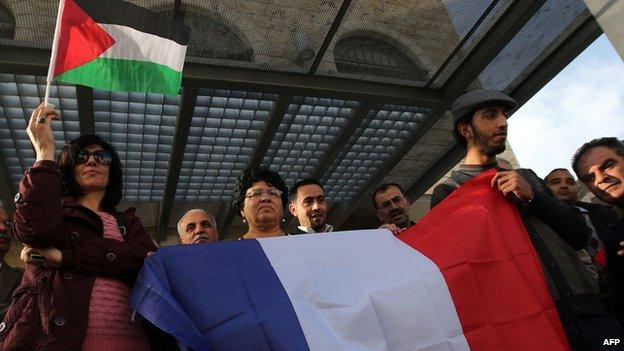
x=344 y=91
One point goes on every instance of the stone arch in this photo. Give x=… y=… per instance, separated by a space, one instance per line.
x=378 y=55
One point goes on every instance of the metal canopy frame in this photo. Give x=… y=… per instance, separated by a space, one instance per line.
x=84 y=96
x=368 y=93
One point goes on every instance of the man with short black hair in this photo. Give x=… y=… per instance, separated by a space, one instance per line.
x=555 y=228
x=197 y=226
x=599 y=164
x=562 y=184
x=307 y=204
x=392 y=207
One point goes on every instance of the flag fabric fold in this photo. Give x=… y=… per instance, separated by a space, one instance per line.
x=464 y=278
x=118 y=46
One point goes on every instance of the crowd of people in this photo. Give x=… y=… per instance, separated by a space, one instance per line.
x=82 y=255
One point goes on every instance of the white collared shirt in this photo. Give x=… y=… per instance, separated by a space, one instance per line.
x=328 y=228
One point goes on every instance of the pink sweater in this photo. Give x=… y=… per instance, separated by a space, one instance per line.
x=110 y=326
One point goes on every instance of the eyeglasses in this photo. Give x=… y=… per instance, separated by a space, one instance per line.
x=100 y=156
x=395 y=200
x=260 y=192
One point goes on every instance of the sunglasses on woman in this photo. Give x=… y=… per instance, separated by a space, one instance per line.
x=100 y=156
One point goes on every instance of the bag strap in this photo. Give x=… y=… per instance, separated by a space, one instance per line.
x=121 y=223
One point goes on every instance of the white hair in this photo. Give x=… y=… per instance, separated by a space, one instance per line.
x=212 y=219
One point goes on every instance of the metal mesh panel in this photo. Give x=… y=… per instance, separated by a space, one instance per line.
x=310 y=127
x=19 y=27
x=141 y=127
x=381 y=134
x=274 y=35
x=225 y=129
x=19 y=96
x=552 y=24
x=399 y=43
x=461 y=18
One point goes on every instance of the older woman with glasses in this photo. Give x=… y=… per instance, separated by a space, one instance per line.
x=82 y=255
x=260 y=197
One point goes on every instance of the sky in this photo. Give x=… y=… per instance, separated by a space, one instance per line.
x=583 y=102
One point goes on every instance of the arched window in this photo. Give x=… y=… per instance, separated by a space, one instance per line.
x=7 y=23
x=377 y=56
x=211 y=35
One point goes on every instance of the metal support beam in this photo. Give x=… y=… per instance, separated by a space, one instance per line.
x=330 y=35
x=35 y=62
x=177 y=10
x=492 y=43
x=306 y=85
x=183 y=125
x=84 y=95
x=28 y=61
x=268 y=134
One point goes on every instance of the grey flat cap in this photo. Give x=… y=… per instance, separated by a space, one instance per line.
x=472 y=100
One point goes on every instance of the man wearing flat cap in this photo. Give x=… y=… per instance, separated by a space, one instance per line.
x=556 y=230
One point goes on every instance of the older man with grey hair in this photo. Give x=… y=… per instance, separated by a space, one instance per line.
x=197 y=226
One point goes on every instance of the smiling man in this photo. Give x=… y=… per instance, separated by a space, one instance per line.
x=197 y=226
x=307 y=203
x=599 y=164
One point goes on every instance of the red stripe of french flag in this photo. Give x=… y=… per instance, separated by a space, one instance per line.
x=493 y=274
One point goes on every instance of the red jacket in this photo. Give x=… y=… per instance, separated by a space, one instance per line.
x=50 y=307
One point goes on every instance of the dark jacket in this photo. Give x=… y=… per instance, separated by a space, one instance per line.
x=50 y=307
x=603 y=218
x=10 y=278
x=615 y=269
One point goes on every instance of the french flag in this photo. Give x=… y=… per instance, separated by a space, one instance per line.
x=464 y=278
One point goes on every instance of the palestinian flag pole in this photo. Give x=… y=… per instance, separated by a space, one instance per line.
x=118 y=46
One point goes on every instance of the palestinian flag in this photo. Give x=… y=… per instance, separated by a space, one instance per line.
x=118 y=46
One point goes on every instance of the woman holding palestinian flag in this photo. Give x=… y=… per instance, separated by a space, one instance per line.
x=82 y=256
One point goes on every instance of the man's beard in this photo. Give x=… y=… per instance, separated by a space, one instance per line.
x=402 y=212
x=318 y=227
x=481 y=141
